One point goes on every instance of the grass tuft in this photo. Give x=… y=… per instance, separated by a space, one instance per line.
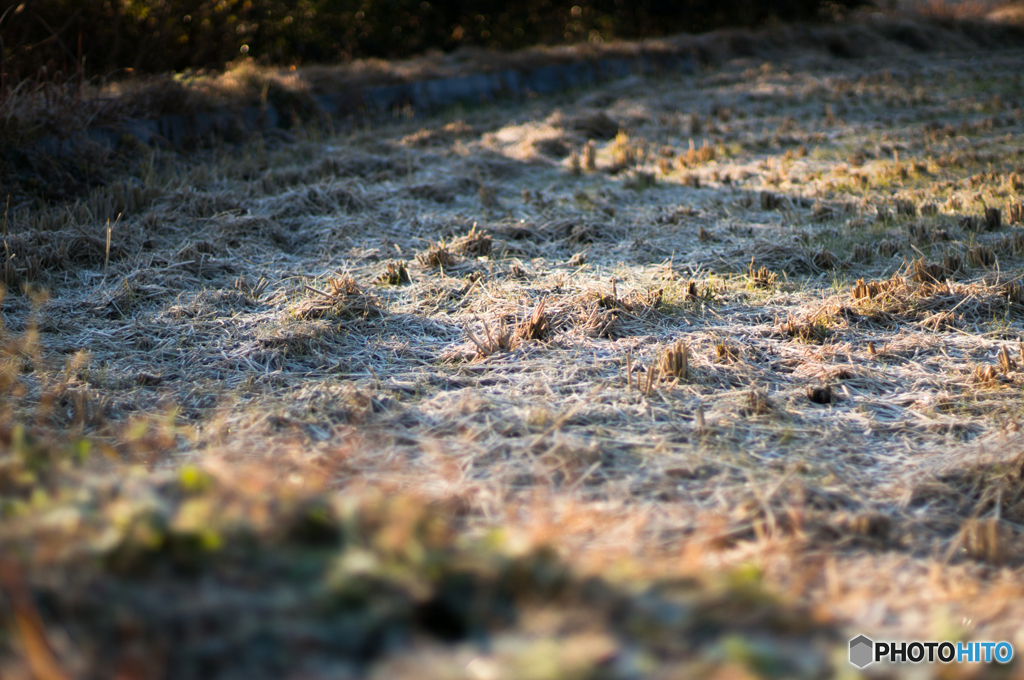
x=395 y=274
x=761 y=277
x=437 y=255
x=675 y=361
x=536 y=327
x=343 y=299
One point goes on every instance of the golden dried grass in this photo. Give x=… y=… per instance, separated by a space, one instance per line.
x=343 y=299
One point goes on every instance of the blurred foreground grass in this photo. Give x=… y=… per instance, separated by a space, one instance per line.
x=210 y=571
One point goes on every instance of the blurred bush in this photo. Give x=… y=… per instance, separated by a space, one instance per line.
x=109 y=37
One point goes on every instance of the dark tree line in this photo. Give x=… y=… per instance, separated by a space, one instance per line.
x=104 y=37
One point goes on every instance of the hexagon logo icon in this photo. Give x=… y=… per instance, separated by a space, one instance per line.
x=861 y=651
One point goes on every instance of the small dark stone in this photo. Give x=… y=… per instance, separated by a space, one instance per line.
x=821 y=395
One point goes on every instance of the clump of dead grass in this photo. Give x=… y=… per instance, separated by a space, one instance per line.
x=761 y=277
x=395 y=274
x=476 y=242
x=981 y=256
x=599 y=314
x=923 y=298
x=597 y=321
x=1006 y=363
x=990 y=220
x=437 y=255
x=988 y=540
x=888 y=247
x=536 y=327
x=905 y=207
x=1013 y=291
x=862 y=253
x=812 y=330
x=501 y=338
x=626 y=152
x=869 y=290
x=1015 y=214
x=251 y=290
x=1010 y=244
x=726 y=353
x=985 y=375
x=345 y=299
x=697 y=293
x=674 y=361
x=635 y=302
x=934 y=272
x=922 y=233
x=695 y=156
x=825 y=260
x=1000 y=372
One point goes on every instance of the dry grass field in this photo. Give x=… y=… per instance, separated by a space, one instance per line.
x=679 y=377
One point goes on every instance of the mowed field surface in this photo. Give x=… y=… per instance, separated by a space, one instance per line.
x=676 y=377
